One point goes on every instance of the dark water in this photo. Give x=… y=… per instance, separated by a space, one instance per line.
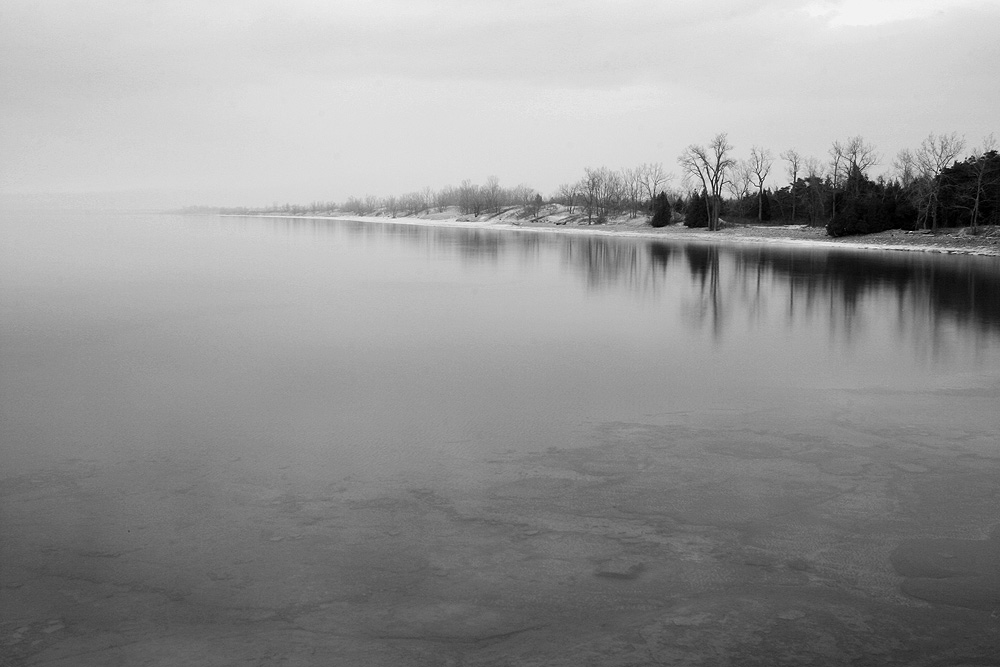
x=272 y=441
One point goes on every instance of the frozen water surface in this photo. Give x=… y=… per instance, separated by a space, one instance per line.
x=262 y=441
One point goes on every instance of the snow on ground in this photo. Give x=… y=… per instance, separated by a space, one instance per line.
x=557 y=218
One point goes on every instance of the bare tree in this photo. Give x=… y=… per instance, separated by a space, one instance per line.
x=392 y=205
x=445 y=197
x=568 y=193
x=905 y=167
x=601 y=190
x=632 y=188
x=522 y=195
x=428 y=197
x=590 y=187
x=860 y=155
x=738 y=183
x=493 y=194
x=354 y=205
x=535 y=206
x=794 y=160
x=371 y=204
x=934 y=155
x=836 y=169
x=652 y=178
x=470 y=198
x=709 y=166
x=412 y=203
x=760 y=167
x=917 y=184
x=611 y=192
x=812 y=167
x=981 y=171
x=851 y=158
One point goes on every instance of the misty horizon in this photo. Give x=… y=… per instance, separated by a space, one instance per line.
x=256 y=103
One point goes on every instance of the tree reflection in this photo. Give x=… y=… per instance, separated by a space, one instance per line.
x=703 y=262
x=732 y=286
x=838 y=284
x=660 y=254
x=604 y=263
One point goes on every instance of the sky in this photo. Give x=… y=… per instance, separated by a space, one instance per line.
x=250 y=102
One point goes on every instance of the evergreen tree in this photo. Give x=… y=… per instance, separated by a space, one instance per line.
x=765 y=205
x=679 y=205
x=661 y=211
x=970 y=191
x=866 y=207
x=696 y=211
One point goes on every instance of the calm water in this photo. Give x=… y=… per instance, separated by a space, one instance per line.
x=284 y=441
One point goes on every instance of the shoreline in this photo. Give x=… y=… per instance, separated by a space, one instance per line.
x=946 y=241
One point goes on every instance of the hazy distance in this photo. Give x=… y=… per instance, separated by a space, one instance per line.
x=252 y=102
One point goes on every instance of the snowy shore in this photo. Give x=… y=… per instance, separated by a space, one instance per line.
x=948 y=241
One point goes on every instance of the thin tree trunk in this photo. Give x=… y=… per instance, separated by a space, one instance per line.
x=793 y=202
x=934 y=208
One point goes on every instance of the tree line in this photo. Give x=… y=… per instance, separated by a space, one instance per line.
x=934 y=185
x=469 y=197
x=927 y=187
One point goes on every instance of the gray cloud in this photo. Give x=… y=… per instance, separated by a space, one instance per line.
x=320 y=96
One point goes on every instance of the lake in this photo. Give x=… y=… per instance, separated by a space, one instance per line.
x=290 y=441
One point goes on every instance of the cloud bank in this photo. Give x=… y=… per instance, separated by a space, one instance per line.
x=305 y=100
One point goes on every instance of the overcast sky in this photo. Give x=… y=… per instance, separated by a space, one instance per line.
x=254 y=101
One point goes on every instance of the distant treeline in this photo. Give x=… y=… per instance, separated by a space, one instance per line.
x=930 y=187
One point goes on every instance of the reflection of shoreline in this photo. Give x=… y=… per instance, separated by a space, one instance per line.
x=833 y=283
x=722 y=283
x=794 y=236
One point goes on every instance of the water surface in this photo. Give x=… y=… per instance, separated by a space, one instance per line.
x=288 y=441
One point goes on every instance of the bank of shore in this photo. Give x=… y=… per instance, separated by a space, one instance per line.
x=949 y=241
